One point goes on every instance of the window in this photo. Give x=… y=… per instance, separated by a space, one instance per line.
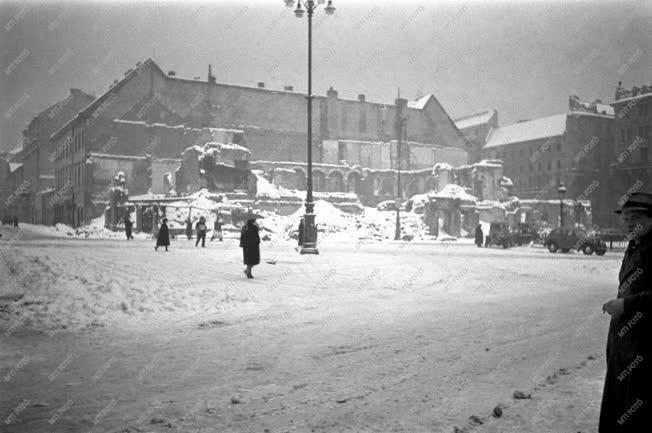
x=559 y=163
x=623 y=136
x=643 y=154
x=559 y=146
x=642 y=108
x=629 y=136
x=363 y=118
x=641 y=133
x=521 y=153
x=549 y=165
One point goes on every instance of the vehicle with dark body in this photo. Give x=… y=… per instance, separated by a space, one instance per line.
x=499 y=235
x=524 y=234
x=566 y=239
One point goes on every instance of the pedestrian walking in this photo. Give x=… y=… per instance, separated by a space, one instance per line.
x=627 y=393
x=15 y=221
x=188 y=229
x=300 y=234
x=479 y=236
x=163 y=238
x=250 y=244
x=217 y=229
x=201 y=232
x=128 y=227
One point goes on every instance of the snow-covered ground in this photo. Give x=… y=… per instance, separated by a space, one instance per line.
x=367 y=336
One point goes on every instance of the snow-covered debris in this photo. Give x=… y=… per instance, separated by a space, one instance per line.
x=454 y=191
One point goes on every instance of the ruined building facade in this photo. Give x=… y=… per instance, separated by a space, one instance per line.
x=167 y=114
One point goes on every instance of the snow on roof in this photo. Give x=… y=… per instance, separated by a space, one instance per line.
x=454 y=191
x=420 y=103
x=543 y=127
x=605 y=108
x=443 y=166
x=474 y=119
x=631 y=98
x=13 y=166
x=113 y=156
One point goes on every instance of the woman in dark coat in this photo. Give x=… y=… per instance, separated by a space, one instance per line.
x=479 y=236
x=128 y=226
x=250 y=244
x=301 y=232
x=163 y=239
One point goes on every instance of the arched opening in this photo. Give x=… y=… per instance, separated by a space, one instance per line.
x=301 y=179
x=353 y=181
x=412 y=189
x=318 y=180
x=335 y=181
x=387 y=186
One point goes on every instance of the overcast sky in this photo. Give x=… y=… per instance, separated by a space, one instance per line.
x=521 y=58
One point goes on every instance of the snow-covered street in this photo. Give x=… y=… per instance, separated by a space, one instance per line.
x=367 y=336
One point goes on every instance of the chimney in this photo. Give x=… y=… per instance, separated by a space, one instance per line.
x=361 y=97
x=288 y=88
x=261 y=84
x=211 y=77
x=331 y=92
x=171 y=74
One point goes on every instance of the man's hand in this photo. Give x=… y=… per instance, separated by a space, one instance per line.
x=614 y=307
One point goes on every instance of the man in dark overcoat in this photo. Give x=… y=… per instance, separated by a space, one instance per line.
x=250 y=244
x=479 y=236
x=163 y=238
x=627 y=395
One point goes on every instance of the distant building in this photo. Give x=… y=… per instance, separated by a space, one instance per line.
x=476 y=128
x=39 y=153
x=574 y=148
x=164 y=113
x=631 y=166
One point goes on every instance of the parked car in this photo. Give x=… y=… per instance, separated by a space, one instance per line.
x=499 y=235
x=524 y=234
x=566 y=239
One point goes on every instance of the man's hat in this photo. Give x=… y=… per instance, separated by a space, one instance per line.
x=638 y=201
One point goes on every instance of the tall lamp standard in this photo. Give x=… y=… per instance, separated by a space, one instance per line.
x=400 y=121
x=562 y=192
x=309 y=230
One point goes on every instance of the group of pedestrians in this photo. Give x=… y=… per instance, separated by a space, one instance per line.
x=249 y=239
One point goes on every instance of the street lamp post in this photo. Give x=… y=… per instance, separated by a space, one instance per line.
x=399 y=192
x=310 y=230
x=562 y=191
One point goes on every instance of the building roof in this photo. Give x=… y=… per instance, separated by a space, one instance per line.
x=632 y=98
x=543 y=127
x=474 y=119
x=420 y=103
x=106 y=95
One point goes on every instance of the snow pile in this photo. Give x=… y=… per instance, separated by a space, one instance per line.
x=52 y=293
x=204 y=204
x=335 y=225
x=265 y=188
x=455 y=191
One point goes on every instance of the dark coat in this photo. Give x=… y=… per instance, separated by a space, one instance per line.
x=201 y=227
x=479 y=236
x=627 y=394
x=250 y=244
x=301 y=233
x=128 y=226
x=163 y=239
